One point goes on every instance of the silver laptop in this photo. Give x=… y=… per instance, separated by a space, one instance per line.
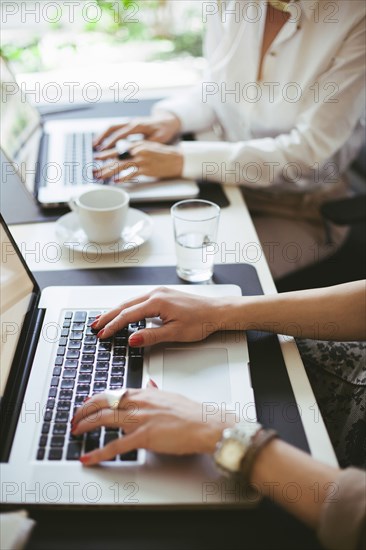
x=55 y=159
x=51 y=361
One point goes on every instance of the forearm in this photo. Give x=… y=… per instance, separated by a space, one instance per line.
x=333 y=313
x=294 y=480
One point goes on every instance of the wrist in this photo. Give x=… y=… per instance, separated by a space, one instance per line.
x=213 y=433
x=169 y=118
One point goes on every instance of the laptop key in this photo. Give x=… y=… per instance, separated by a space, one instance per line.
x=78 y=326
x=63 y=405
x=76 y=335
x=108 y=437
x=71 y=364
x=43 y=441
x=134 y=372
x=118 y=371
x=59 y=429
x=86 y=368
x=136 y=352
x=80 y=316
x=57 y=441
x=130 y=456
x=84 y=379
x=52 y=392
x=47 y=417
x=40 y=453
x=120 y=351
x=64 y=333
x=118 y=361
x=58 y=361
x=74 y=344
x=46 y=428
x=86 y=358
x=91 y=339
x=50 y=404
x=74 y=450
x=67 y=384
x=101 y=365
x=55 y=380
x=79 y=400
x=83 y=389
x=99 y=386
x=66 y=395
x=56 y=371
x=101 y=376
x=69 y=373
x=104 y=346
x=91 y=444
x=89 y=349
x=73 y=354
x=62 y=416
x=121 y=341
x=55 y=454
x=68 y=315
x=62 y=342
x=116 y=381
x=67 y=323
x=61 y=350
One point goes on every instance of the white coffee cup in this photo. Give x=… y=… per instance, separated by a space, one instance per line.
x=102 y=213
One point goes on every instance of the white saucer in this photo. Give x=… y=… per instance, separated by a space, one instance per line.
x=138 y=229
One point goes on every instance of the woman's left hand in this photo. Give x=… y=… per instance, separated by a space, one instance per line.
x=148 y=159
x=151 y=419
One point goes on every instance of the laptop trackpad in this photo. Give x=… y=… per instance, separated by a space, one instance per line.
x=200 y=374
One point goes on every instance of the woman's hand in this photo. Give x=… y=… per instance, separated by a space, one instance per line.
x=148 y=159
x=162 y=128
x=151 y=419
x=185 y=318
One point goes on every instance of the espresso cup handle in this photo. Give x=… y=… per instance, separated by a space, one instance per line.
x=73 y=205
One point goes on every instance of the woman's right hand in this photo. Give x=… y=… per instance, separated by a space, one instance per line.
x=184 y=317
x=162 y=128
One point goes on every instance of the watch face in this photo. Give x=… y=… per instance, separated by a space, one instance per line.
x=230 y=455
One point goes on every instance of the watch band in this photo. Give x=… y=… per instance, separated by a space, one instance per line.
x=261 y=439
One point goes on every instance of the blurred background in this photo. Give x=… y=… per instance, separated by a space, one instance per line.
x=143 y=45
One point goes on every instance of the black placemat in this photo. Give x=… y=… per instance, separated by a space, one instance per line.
x=275 y=401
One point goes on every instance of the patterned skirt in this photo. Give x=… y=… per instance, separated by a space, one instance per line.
x=337 y=373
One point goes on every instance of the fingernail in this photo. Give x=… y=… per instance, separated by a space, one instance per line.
x=84 y=459
x=94 y=323
x=153 y=383
x=86 y=399
x=136 y=340
x=100 y=333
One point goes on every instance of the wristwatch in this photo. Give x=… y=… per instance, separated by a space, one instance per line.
x=239 y=446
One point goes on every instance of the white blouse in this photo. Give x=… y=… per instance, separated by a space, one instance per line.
x=297 y=128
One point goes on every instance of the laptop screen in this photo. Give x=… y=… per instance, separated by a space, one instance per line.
x=15 y=296
x=20 y=121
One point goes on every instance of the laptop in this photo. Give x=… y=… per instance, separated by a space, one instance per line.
x=55 y=159
x=51 y=361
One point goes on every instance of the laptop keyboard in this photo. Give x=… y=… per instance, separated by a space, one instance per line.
x=79 y=159
x=84 y=366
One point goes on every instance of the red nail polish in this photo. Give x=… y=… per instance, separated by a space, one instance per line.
x=86 y=399
x=100 y=333
x=84 y=459
x=94 y=323
x=136 y=340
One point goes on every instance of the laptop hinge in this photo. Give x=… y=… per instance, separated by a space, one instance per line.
x=11 y=404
